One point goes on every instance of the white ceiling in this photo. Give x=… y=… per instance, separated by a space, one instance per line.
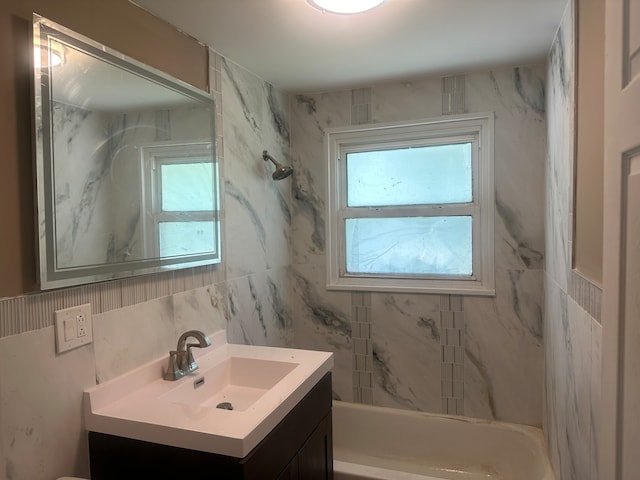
x=300 y=49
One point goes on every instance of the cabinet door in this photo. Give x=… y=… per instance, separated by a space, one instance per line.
x=315 y=459
x=291 y=472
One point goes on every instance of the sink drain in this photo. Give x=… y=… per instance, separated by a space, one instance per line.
x=225 y=406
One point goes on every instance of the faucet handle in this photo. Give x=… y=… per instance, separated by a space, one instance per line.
x=191 y=362
x=173 y=371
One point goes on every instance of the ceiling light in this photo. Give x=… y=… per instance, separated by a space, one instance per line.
x=345 y=6
x=47 y=55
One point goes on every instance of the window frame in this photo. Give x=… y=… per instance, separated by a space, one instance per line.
x=339 y=141
x=155 y=155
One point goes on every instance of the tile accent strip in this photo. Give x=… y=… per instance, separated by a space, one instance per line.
x=451 y=311
x=453 y=95
x=361 y=106
x=35 y=311
x=362 y=347
x=452 y=354
x=586 y=294
x=362 y=342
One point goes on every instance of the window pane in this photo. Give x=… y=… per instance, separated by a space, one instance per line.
x=187 y=186
x=415 y=245
x=199 y=238
x=410 y=176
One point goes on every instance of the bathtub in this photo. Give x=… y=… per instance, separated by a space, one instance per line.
x=384 y=443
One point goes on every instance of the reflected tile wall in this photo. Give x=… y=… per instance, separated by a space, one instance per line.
x=92 y=183
x=573 y=334
x=405 y=330
x=81 y=188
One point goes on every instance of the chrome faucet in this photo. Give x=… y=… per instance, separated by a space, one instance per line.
x=181 y=361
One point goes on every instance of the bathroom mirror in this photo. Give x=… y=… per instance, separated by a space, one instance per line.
x=126 y=169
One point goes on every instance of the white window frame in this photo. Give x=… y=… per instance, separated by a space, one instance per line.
x=339 y=141
x=152 y=157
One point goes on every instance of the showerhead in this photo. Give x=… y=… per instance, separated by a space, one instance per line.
x=282 y=171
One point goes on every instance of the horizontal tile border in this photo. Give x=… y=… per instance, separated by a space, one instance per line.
x=35 y=311
x=586 y=294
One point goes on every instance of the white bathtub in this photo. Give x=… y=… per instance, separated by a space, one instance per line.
x=383 y=443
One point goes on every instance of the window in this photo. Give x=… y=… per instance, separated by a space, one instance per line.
x=180 y=200
x=410 y=207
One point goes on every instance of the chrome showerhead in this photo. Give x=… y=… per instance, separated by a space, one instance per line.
x=282 y=171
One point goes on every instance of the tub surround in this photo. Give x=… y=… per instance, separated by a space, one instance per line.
x=494 y=369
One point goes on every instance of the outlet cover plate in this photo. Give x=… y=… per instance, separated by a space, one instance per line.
x=73 y=327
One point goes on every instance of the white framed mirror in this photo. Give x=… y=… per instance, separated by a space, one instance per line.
x=126 y=168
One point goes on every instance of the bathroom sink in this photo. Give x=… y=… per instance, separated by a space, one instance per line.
x=234 y=384
x=261 y=385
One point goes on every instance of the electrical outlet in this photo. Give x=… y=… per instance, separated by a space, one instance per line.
x=73 y=327
x=81 y=322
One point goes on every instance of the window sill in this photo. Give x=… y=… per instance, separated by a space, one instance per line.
x=443 y=287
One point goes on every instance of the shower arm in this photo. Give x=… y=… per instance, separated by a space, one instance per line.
x=281 y=171
x=266 y=156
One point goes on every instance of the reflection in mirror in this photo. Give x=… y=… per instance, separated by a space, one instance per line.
x=127 y=177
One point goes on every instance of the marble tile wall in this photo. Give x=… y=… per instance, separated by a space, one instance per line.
x=573 y=333
x=139 y=319
x=500 y=372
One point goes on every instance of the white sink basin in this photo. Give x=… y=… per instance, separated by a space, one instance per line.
x=236 y=381
x=262 y=384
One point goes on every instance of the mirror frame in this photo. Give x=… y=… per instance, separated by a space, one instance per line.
x=52 y=275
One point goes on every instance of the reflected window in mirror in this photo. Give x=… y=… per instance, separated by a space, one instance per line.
x=179 y=199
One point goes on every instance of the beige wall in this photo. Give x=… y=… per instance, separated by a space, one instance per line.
x=587 y=248
x=116 y=23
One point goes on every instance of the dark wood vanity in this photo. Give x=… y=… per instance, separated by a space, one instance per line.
x=299 y=447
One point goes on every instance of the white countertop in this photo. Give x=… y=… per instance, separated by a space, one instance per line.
x=130 y=405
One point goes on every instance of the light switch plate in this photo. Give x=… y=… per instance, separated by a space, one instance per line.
x=73 y=327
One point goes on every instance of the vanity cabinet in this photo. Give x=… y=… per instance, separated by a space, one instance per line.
x=314 y=461
x=299 y=447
